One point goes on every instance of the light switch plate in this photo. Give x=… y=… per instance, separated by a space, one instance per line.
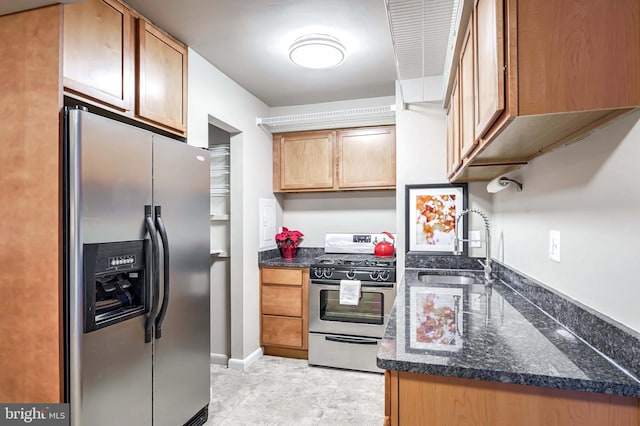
x=554 y=246
x=474 y=239
x=267 y=220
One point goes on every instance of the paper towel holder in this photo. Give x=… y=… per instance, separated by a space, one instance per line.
x=504 y=182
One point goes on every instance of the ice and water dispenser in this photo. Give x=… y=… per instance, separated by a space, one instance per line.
x=115 y=283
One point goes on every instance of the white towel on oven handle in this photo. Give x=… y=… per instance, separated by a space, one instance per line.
x=349 y=292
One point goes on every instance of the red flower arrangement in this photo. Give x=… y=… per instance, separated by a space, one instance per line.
x=288 y=242
x=288 y=238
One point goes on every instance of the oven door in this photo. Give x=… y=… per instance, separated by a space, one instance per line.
x=367 y=318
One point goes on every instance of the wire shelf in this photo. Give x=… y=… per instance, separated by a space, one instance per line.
x=388 y=111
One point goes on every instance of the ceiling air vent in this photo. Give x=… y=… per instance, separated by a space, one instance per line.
x=423 y=34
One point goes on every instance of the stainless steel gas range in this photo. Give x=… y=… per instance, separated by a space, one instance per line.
x=347 y=335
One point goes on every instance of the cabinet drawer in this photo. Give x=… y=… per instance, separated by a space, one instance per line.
x=279 y=300
x=282 y=276
x=281 y=331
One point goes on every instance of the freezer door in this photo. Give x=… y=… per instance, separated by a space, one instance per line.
x=181 y=355
x=115 y=169
x=109 y=183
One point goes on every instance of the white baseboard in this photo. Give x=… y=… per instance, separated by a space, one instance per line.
x=243 y=364
x=220 y=359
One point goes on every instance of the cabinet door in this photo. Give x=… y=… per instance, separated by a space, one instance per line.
x=489 y=63
x=282 y=331
x=305 y=160
x=162 y=78
x=467 y=122
x=378 y=147
x=98 y=51
x=453 y=130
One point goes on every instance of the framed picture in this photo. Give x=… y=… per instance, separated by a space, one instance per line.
x=431 y=212
x=436 y=319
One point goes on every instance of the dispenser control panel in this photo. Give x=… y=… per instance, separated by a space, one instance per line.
x=129 y=259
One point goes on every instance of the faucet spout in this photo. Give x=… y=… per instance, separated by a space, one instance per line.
x=487 y=242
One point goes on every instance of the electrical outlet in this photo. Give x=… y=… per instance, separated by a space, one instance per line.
x=554 y=246
x=474 y=239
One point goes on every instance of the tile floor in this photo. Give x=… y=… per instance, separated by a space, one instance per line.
x=282 y=391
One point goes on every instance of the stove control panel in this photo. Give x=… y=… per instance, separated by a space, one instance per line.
x=362 y=239
x=362 y=274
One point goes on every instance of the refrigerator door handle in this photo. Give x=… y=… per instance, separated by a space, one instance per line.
x=166 y=271
x=153 y=313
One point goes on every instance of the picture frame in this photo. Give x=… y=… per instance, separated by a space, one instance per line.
x=431 y=213
x=436 y=319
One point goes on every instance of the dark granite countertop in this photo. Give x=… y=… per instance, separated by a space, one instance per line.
x=304 y=258
x=296 y=262
x=493 y=334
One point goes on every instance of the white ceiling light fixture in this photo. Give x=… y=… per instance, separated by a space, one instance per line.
x=317 y=51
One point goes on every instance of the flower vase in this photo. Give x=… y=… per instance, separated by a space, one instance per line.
x=288 y=251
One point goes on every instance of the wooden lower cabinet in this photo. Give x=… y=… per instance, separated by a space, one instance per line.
x=281 y=331
x=284 y=326
x=278 y=300
x=422 y=399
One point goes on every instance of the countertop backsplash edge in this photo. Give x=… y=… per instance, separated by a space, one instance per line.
x=613 y=339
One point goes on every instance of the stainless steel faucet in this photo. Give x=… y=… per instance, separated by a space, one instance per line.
x=487 y=242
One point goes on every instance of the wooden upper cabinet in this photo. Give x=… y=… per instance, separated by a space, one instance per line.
x=453 y=131
x=98 y=52
x=332 y=160
x=467 y=104
x=578 y=55
x=545 y=74
x=137 y=71
x=304 y=161
x=378 y=147
x=488 y=40
x=161 y=77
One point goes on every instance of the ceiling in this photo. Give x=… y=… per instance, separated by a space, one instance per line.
x=248 y=40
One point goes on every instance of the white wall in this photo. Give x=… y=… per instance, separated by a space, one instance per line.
x=420 y=156
x=216 y=99
x=315 y=214
x=589 y=192
x=421 y=159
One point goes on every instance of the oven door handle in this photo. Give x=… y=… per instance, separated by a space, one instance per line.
x=351 y=340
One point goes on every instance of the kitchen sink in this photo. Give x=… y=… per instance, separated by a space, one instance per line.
x=448 y=279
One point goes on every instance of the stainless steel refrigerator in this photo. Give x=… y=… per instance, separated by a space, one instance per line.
x=137 y=275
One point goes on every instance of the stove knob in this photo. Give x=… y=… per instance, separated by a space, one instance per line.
x=317 y=272
x=384 y=275
x=374 y=275
x=351 y=275
x=328 y=273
